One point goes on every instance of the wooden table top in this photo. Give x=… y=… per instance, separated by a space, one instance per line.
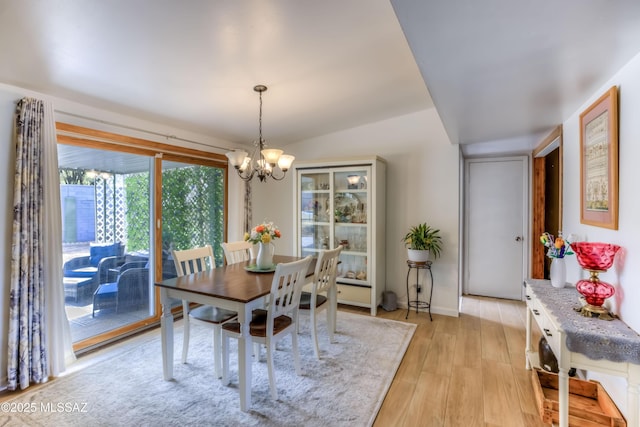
x=231 y=282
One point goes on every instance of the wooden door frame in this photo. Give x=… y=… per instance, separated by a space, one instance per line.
x=539 y=206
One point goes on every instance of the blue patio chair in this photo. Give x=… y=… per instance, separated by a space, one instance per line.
x=129 y=292
x=87 y=266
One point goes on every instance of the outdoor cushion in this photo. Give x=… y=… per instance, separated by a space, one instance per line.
x=88 y=272
x=107 y=288
x=97 y=252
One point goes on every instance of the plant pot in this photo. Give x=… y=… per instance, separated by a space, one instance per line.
x=417 y=255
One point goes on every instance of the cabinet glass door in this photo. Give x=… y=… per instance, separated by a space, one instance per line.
x=350 y=215
x=315 y=215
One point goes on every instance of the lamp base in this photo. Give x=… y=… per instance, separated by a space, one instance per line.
x=601 y=313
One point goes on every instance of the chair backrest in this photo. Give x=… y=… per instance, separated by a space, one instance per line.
x=133 y=288
x=193 y=260
x=237 y=251
x=133 y=264
x=326 y=268
x=286 y=288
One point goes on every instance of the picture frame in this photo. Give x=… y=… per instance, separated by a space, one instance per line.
x=599 y=162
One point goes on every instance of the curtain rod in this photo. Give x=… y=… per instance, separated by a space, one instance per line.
x=150 y=132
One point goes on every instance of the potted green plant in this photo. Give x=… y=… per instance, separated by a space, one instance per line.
x=420 y=241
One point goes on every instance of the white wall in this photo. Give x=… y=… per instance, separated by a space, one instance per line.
x=422 y=186
x=626 y=271
x=9 y=95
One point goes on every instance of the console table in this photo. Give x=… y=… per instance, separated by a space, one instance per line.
x=592 y=344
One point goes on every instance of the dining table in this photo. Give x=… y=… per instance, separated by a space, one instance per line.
x=232 y=287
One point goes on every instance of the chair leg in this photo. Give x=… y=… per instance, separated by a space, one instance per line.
x=296 y=355
x=331 y=323
x=314 y=332
x=225 y=359
x=185 y=335
x=217 y=350
x=271 y=348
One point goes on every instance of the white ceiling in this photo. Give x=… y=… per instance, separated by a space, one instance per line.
x=496 y=69
x=508 y=69
x=329 y=65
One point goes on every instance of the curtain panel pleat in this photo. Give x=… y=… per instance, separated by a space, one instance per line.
x=59 y=343
x=35 y=281
x=27 y=360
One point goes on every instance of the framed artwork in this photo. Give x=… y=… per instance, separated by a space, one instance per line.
x=599 y=162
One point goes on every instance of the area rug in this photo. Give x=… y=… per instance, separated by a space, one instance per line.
x=125 y=388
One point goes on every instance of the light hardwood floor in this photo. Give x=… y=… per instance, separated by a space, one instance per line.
x=460 y=372
x=463 y=372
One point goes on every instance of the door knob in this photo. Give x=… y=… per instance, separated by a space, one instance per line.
x=519 y=238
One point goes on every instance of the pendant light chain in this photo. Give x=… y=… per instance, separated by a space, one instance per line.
x=260 y=121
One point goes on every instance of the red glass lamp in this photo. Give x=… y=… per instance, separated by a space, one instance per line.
x=595 y=257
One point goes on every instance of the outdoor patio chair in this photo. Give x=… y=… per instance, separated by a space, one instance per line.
x=130 y=291
x=87 y=266
x=110 y=268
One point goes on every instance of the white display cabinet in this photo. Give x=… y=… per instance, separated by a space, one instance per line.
x=343 y=202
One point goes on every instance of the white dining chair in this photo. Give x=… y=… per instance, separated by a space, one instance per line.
x=317 y=300
x=193 y=261
x=276 y=322
x=237 y=251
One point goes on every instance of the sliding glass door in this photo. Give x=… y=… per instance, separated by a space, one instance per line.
x=127 y=203
x=105 y=200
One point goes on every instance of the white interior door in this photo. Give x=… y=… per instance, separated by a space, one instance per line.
x=496 y=198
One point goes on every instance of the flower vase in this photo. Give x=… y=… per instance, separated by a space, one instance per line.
x=558 y=273
x=264 y=260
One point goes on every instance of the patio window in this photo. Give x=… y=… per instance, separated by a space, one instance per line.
x=112 y=250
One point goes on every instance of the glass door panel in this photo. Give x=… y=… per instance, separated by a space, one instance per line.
x=315 y=213
x=105 y=201
x=351 y=231
x=192 y=210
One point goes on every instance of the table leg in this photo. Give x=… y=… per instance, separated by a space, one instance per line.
x=417 y=287
x=633 y=396
x=430 y=294
x=528 y=350
x=166 y=336
x=408 y=296
x=244 y=359
x=563 y=396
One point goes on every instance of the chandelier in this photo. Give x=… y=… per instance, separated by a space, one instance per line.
x=263 y=161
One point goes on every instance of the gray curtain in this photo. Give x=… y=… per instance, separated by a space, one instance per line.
x=27 y=358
